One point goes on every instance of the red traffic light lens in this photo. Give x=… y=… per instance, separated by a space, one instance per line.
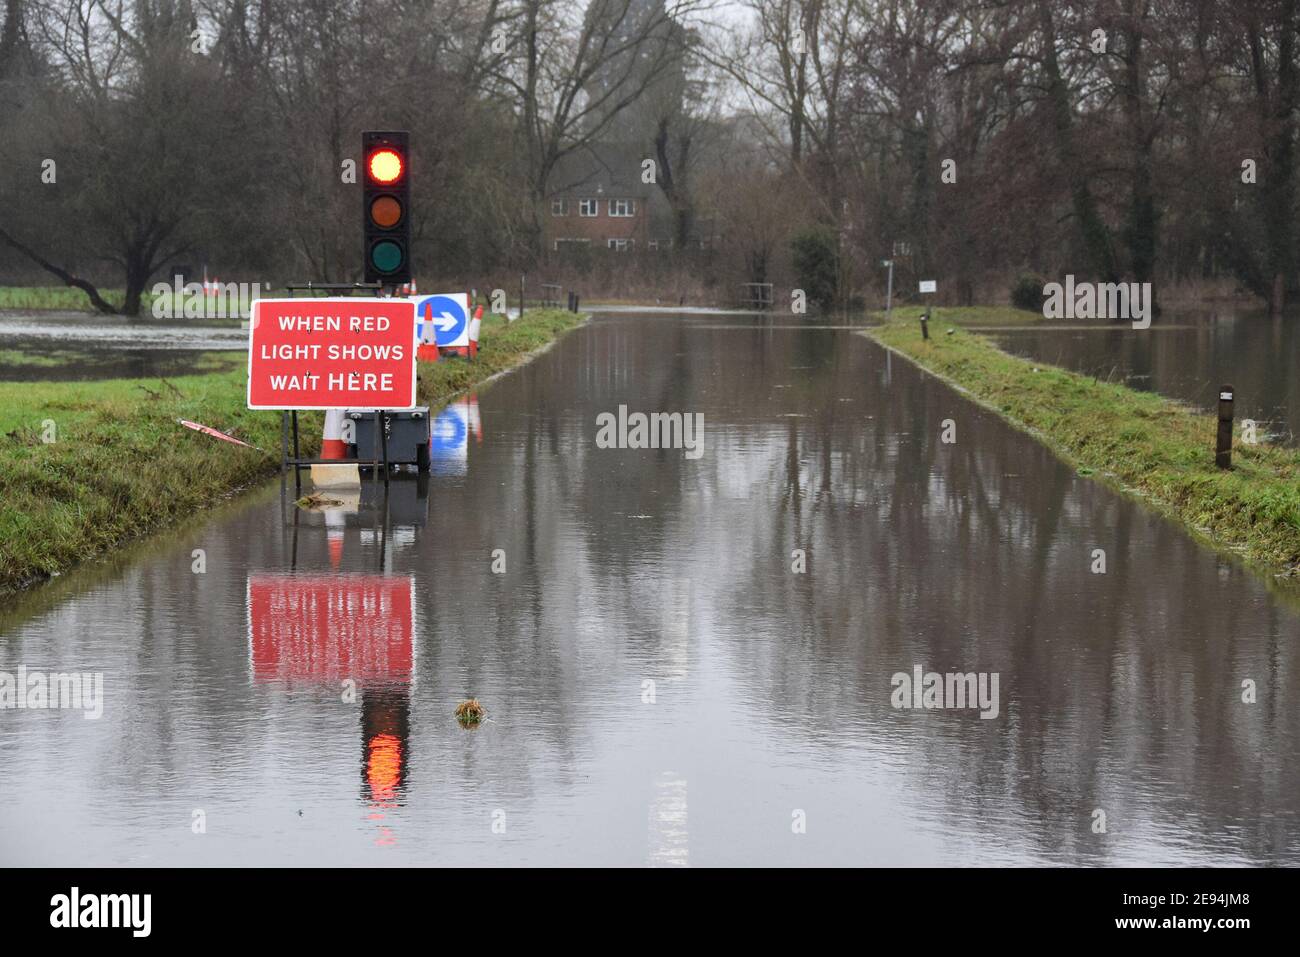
x=385 y=166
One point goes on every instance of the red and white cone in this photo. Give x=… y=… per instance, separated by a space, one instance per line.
x=474 y=325
x=475 y=420
x=334 y=530
x=428 y=351
x=332 y=445
x=345 y=474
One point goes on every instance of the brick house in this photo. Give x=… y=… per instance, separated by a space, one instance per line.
x=599 y=201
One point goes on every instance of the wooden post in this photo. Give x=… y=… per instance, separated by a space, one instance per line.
x=1223 y=447
x=521 y=295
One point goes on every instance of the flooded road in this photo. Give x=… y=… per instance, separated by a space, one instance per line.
x=683 y=661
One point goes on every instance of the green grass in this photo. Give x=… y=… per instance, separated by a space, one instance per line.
x=964 y=315
x=17 y=357
x=1145 y=444
x=120 y=466
x=68 y=299
x=61 y=298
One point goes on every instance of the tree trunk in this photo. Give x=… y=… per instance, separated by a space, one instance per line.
x=1140 y=230
x=77 y=283
x=1096 y=237
x=1279 y=182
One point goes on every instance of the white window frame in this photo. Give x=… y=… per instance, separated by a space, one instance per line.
x=560 y=207
x=628 y=207
x=570 y=242
x=589 y=207
x=657 y=244
x=619 y=245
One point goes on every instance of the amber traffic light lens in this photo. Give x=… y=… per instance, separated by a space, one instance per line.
x=386 y=212
x=385 y=166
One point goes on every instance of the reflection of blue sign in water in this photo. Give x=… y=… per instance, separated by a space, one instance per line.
x=449 y=443
x=450 y=317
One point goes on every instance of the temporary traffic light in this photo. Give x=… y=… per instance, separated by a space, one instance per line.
x=387 y=205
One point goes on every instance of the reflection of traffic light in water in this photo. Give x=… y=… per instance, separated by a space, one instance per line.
x=385 y=735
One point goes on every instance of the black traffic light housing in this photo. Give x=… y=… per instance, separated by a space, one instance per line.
x=386 y=209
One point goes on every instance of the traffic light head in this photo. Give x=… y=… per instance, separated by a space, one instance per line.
x=386 y=204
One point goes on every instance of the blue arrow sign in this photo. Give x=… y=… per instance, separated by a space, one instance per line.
x=449 y=318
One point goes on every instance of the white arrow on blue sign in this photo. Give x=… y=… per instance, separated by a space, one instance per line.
x=449 y=440
x=450 y=318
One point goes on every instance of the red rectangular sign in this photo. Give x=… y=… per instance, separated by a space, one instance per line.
x=325 y=629
x=331 y=354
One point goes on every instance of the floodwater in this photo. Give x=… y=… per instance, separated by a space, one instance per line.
x=1186 y=355
x=661 y=686
x=75 y=346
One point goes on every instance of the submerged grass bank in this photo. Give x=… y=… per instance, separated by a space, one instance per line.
x=119 y=466
x=1156 y=448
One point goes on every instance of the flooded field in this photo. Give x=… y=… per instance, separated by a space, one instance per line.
x=1185 y=355
x=682 y=660
x=75 y=346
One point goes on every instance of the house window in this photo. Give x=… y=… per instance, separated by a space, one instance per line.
x=659 y=244
x=559 y=207
x=589 y=207
x=622 y=245
x=570 y=243
x=622 y=207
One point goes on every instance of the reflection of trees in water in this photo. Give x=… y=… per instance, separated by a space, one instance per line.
x=1114 y=686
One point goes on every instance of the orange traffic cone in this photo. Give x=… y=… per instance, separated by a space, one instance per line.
x=332 y=445
x=428 y=351
x=475 y=420
x=334 y=531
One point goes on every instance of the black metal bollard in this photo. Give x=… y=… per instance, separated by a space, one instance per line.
x=925 y=323
x=1223 y=447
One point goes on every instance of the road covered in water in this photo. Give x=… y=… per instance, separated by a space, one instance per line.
x=705 y=659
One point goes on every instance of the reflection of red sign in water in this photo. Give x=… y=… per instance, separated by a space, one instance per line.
x=330 y=628
x=331 y=354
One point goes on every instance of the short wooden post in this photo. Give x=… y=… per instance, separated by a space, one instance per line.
x=1223 y=447
x=521 y=296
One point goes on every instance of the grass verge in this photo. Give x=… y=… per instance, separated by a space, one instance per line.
x=120 y=467
x=58 y=298
x=964 y=315
x=1144 y=444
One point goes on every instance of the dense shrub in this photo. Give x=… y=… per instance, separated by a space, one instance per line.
x=1027 y=293
x=815 y=254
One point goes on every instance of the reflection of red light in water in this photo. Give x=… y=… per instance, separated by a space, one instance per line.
x=384 y=766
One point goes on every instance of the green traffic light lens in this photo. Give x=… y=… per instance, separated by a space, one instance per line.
x=386 y=256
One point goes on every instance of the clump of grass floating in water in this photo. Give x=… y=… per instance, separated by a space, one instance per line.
x=317 y=500
x=469 y=713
